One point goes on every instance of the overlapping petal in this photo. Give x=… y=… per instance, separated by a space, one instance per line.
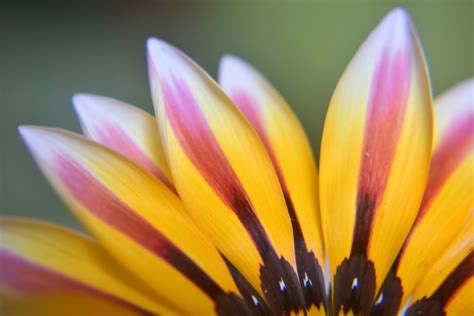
x=375 y=156
x=292 y=157
x=41 y=261
x=126 y=129
x=447 y=286
x=448 y=198
x=137 y=219
x=224 y=175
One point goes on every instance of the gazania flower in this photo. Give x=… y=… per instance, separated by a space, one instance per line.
x=218 y=208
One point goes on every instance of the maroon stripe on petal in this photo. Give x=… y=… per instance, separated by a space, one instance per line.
x=386 y=111
x=439 y=300
x=104 y=205
x=115 y=138
x=202 y=148
x=454 y=281
x=454 y=146
x=30 y=278
x=249 y=107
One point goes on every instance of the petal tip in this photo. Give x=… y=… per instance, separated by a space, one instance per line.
x=229 y=60
x=26 y=131
x=32 y=136
x=159 y=50
x=163 y=59
x=396 y=28
x=235 y=70
x=82 y=101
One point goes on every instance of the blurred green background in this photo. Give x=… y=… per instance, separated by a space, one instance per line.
x=51 y=50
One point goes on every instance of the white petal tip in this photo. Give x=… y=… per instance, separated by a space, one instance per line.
x=159 y=49
x=233 y=70
x=26 y=131
x=32 y=135
x=395 y=28
x=229 y=60
x=81 y=101
x=163 y=58
x=398 y=14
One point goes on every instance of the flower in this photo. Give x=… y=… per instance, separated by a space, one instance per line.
x=218 y=208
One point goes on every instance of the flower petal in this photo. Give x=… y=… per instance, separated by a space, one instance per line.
x=137 y=218
x=449 y=282
x=64 y=304
x=40 y=260
x=292 y=157
x=449 y=105
x=126 y=129
x=376 y=147
x=224 y=175
x=447 y=201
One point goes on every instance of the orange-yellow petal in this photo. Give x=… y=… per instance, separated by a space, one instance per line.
x=224 y=175
x=137 y=219
x=41 y=260
x=375 y=156
x=448 y=197
x=292 y=157
x=448 y=284
x=64 y=304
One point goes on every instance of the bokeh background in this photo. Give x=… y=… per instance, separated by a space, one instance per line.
x=51 y=50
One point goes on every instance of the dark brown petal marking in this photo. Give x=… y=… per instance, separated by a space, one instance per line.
x=435 y=304
x=366 y=204
x=426 y=306
x=280 y=286
x=390 y=296
x=309 y=270
x=202 y=148
x=354 y=285
x=32 y=279
x=103 y=204
x=231 y=304
x=256 y=304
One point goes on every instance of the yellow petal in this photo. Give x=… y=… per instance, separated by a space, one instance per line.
x=126 y=129
x=447 y=200
x=292 y=157
x=64 y=304
x=40 y=259
x=224 y=175
x=137 y=218
x=446 y=286
x=375 y=156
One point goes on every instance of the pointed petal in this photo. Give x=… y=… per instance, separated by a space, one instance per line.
x=126 y=129
x=448 y=200
x=292 y=157
x=446 y=285
x=123 y=205
x=224 y=175
x=376 y=147
x=40 y=259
